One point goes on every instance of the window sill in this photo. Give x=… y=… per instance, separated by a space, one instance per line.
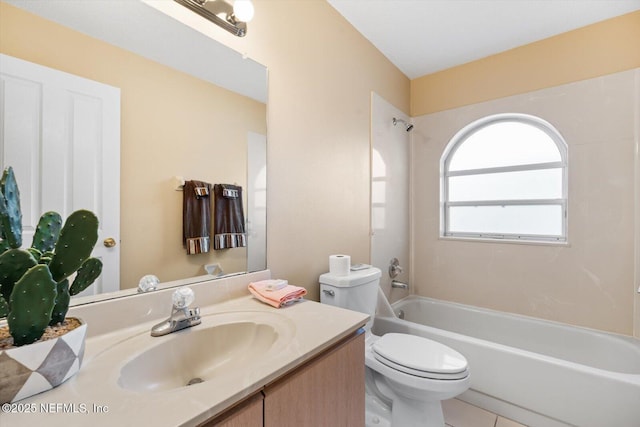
x=508 y=241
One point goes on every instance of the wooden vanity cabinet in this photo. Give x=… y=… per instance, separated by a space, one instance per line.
x=246 y=414
x=325 y=391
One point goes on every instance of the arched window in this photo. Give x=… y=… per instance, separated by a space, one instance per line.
x=505 y=177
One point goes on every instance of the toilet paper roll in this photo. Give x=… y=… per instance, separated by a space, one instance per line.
x=339 y=264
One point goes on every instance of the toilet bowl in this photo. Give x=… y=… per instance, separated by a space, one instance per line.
x=410 y=375
x=411 y=385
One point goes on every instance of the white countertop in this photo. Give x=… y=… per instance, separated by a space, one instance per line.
x=93 y=397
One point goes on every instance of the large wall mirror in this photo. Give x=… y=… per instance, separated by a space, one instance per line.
x=189 y=107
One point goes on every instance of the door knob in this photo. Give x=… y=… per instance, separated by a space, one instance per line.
x=109 y=242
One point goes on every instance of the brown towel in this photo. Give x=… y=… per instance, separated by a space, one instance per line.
x=229 y=217
x=196 y=217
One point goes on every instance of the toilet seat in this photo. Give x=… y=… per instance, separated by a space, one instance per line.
x=420 y=357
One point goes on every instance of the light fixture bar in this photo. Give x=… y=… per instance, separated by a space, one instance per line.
x=237 y=28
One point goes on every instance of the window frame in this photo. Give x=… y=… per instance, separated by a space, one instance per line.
x=449 y=152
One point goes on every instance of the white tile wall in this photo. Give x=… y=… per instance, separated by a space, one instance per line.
x=587 y=282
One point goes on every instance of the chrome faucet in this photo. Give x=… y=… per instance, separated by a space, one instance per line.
x=401 y=285
x=182 y=316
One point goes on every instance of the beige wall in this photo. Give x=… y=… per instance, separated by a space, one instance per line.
x=172 y=124
x=321 y=74
x=595 y=50
x=589 y=282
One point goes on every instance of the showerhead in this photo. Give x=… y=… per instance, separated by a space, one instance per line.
x=407 y=126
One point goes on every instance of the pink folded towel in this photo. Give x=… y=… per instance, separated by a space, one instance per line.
x=276 y=297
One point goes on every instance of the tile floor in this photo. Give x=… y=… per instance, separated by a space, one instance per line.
x=461 y=414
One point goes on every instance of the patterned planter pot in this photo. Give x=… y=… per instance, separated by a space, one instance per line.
x=41 y=366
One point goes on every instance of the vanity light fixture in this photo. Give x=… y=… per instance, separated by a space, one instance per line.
x=232 y=18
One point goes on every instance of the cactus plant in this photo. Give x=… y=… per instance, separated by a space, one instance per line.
x=10 y=214
x=47 y=232
x=61 y=303
x=77 y=239
x=4 y=307
x=34 y=282
x=31 y=304
x=14 y=263
x=88 y=273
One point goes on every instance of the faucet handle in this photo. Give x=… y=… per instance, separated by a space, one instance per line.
x=183 y=297
x=394 y=268
x=148 y=283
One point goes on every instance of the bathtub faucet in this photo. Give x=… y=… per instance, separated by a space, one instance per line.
x=401 y=285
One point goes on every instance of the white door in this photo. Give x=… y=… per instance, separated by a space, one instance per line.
x=61 y=135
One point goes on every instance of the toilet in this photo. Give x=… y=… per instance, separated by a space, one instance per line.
x=406 y=374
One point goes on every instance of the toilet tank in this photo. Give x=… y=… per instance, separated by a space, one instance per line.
x=356 y=291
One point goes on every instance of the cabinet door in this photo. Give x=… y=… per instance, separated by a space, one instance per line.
x=246 y=414
x=328 y=391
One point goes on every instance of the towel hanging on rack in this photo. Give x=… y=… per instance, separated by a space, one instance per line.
x=196 y=217
x=228 y=224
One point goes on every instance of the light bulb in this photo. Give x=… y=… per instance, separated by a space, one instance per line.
x=243 y=10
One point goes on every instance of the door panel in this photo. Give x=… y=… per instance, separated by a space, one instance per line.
x=61 y=134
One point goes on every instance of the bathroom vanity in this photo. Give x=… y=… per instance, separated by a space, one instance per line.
x=248 y=364
x=324 y=391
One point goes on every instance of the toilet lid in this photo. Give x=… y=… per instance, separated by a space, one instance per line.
x=420 y=356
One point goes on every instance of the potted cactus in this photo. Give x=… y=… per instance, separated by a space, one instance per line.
x=39 y=347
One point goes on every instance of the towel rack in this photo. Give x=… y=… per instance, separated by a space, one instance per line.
x=177 y=182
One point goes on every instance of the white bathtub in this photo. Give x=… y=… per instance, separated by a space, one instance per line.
x=537 y=372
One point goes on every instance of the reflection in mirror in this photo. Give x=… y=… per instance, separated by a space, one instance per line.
x=189 y=107
x=231 y=18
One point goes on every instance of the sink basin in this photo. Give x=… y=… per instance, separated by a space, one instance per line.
x=224 y=344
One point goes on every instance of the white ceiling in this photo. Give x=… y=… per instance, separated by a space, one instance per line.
x=424 y=36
